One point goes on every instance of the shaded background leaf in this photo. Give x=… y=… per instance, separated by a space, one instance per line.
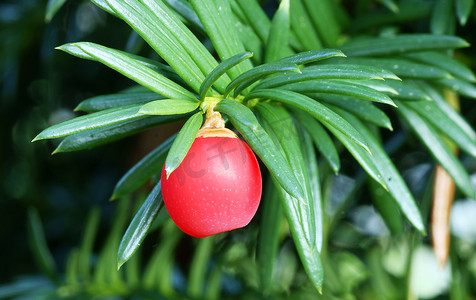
x=261 y=143
x=139 y=226
x=215 y=17
x=183 y=142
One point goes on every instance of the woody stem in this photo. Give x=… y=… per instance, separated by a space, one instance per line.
x=214 y=125
x=214 y=119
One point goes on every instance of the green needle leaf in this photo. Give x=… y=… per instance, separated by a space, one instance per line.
x=360 y=108
x=156 y=66
x=184 y=9
x=221 y=69
x=250 y=76
x=86 y=249
x=325 y=22
x=363 y=157
x=390 y=5
x=406 y=91
x=241 y=113
x=302 y=27
x=437 y=147
x=159 y=269
x=376 y=85
x=249 y=39
x=142 y=171
x=104 y=6
x=312 y=56
x=391 y=176
x=215 y=16
x=439 y=100
x=276 y=44
x=338 y=87
x=442 y=18
x=409 y=11
x=321 y=139
x=140 y=225
x=169 y=107
x=128 y=67
x=39 y=246
x=387 y=207
x=312 y=166
x=440 y=120
x=326 y=116
x=95 y=120
x=100 y=136
x=268 y=239
x=402 y=44
x=160 y=68
x=160 y=32
x=183 y=142
x=401 y=67
x=461 y=87
x=262 y=145
x=309 y=255
x=103 y=102
x=300 y=213
x=335 y=71
x=463 y=10
x=443 y=62
x=179 y=33
x=199 y=266
x=280 y=126
x=52 y=8
x=256 y=17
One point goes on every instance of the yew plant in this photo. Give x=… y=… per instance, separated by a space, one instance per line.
x=301 y=84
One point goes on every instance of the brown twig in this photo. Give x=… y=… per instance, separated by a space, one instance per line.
x=443 y=194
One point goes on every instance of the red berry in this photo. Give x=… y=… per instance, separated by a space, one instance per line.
x=216 y=188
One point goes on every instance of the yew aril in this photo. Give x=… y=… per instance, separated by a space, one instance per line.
x=216 y=188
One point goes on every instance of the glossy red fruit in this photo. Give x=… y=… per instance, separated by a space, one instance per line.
x=216 y=188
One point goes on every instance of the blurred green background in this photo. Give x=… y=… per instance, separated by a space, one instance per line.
x=39 y=87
